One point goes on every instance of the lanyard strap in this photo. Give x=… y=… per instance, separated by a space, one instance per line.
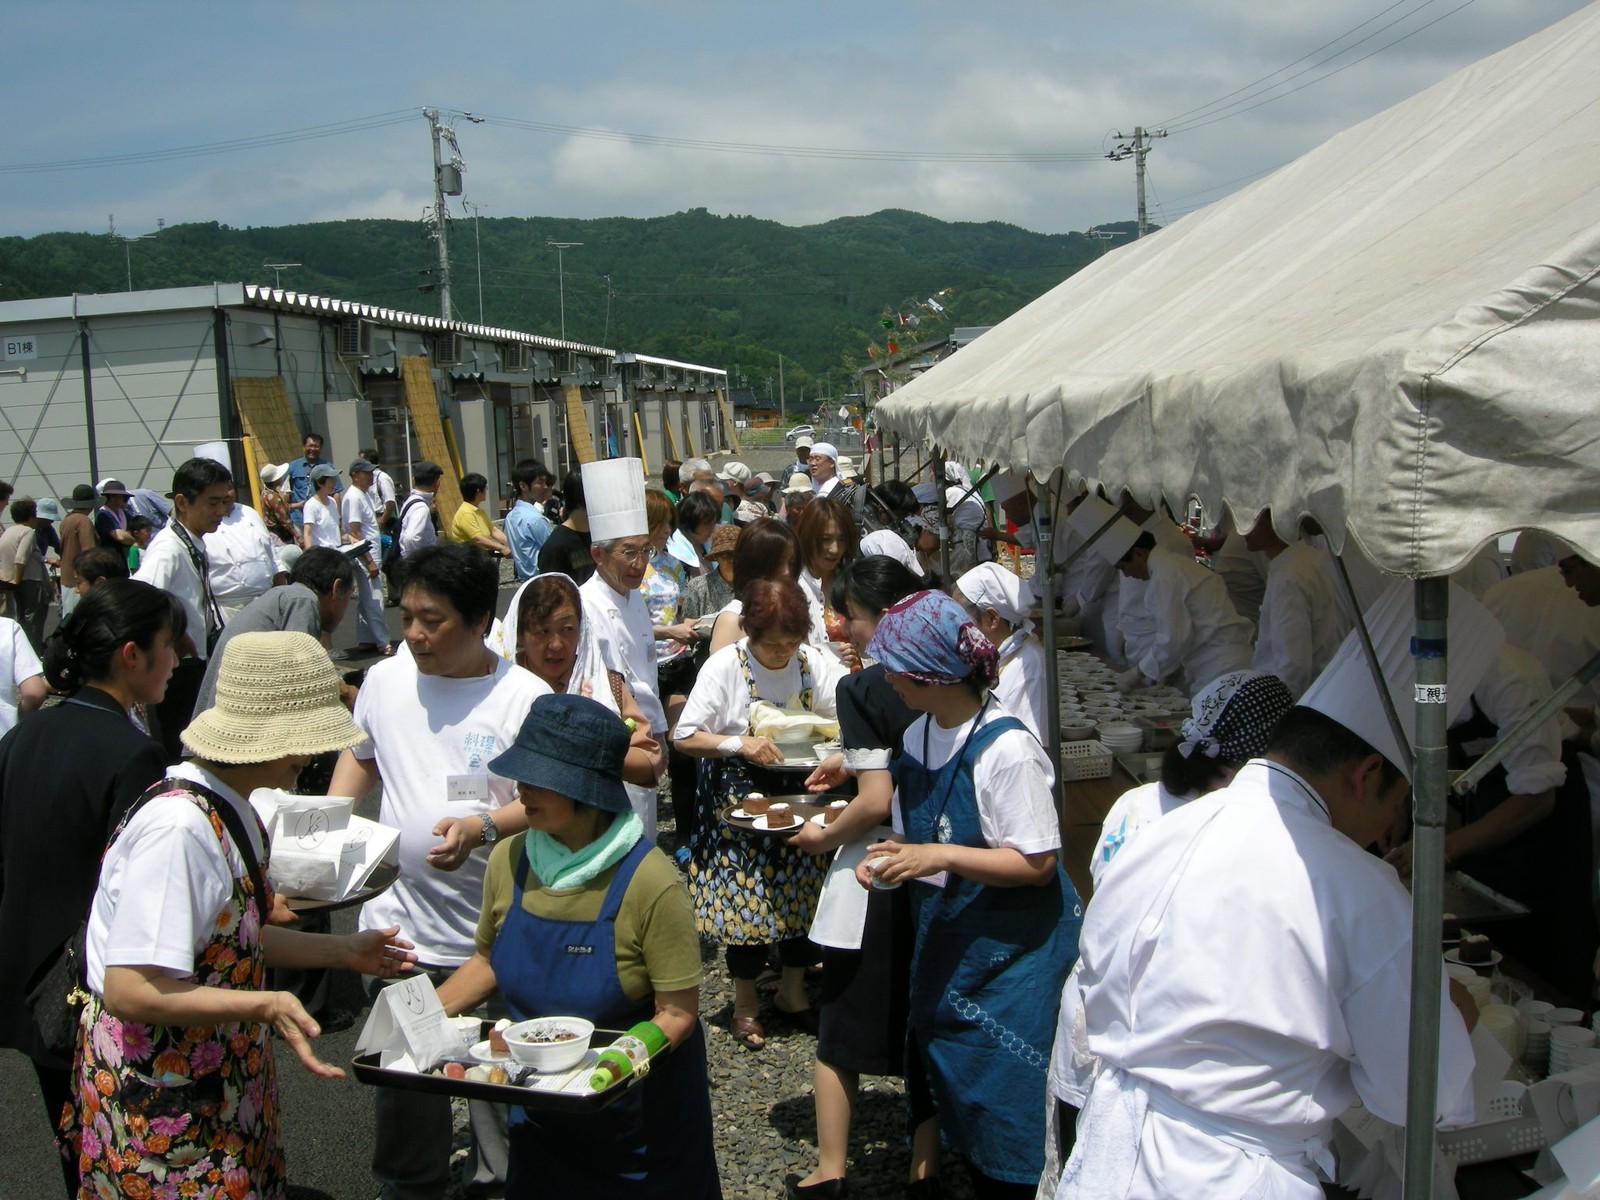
x=213 y=614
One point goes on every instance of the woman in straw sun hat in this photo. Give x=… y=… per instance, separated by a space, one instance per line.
x=174 y=1082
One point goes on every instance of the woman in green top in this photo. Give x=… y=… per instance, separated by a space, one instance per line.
x=583 y=917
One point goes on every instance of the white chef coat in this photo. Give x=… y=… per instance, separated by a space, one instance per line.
x=1543 y=616
x=1512 y=687
x=626 y=638
x=1135 y=621
x=1196 y=629
x=1244 y=571
x=1022 y=686
x=1302 y=621
x=241 y=559
x=1260 y=1040
x=1534 y=550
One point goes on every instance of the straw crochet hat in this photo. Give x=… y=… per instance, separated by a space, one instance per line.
x=277 y=695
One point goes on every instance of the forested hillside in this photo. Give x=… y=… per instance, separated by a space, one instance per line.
x=728 y=291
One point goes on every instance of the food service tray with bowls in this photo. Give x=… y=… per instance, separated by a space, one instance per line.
x=380 y=881
x=550 y=1096
x=805 y=807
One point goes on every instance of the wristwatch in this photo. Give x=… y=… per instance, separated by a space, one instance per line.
x=491 y=831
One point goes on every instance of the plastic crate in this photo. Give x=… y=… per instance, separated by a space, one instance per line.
x=1513 y=1129
x=1085 y=760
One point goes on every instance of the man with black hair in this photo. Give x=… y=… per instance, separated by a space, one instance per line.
x=567 y=548
x=175 y=561
x=526 y=527
x=435 y=717
x=22 y=570
x=300 y=487
x=416 y=514
x=1211 y=1061
x=314 y=601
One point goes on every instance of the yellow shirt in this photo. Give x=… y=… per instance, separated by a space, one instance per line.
x=657 y=947
x=470 y=522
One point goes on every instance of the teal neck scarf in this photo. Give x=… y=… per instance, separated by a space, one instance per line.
x=560 y=868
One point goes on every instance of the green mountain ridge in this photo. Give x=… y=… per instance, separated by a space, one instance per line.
x=726 y=291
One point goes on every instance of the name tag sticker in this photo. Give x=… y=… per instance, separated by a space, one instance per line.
x=1432 y=693
x=467 y=789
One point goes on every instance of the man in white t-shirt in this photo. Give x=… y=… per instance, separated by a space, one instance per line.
x=416 y=514
x=435 y=716
x=361 y=525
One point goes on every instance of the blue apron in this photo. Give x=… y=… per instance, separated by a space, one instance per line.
x=656 y=1140
x=986 y=975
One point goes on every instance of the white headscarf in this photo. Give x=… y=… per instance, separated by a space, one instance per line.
x=989 y=585
x=589 y=674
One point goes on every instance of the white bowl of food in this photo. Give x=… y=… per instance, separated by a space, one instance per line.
x=549 y=1043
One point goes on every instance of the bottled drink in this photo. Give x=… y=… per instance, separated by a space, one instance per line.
x=628 y=1055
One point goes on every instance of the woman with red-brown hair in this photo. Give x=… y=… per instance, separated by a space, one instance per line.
x=829 y=542
x=751 y=891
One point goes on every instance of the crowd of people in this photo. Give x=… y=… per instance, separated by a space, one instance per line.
x=1228 y=992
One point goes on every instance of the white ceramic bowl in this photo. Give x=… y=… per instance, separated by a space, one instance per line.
x=1074 y=732
x=550 y=1056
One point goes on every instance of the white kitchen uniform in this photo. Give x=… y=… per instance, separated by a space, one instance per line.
x=1244 y=572
x=1022 y=686
x=1224 y=1076
x=1135 y=621
x=1133 y=810
x=1302 y=621
x=1543 y=616
x=241 y=559
x=1513 y=685
x=1196 y=629
x=625 y=639
x=1534 y=550
x=1482 y=571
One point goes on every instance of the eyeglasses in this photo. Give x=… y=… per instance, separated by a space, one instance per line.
x=632 y=555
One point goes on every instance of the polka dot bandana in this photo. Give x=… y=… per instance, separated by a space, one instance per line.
x=1234 y=716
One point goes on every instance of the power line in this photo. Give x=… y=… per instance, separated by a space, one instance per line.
x=1237 y=111
x=230 y=146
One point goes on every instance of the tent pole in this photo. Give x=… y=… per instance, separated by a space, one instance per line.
x=1384 y=698
x=944 y=518
x=1044 y=585
x=1429 y=788
x=897 y=456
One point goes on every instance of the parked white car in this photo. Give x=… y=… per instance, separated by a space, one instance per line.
x=800 y=431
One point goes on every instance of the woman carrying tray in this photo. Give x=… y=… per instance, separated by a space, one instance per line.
x=752 y=891
x=583 y=917
x=996 y=918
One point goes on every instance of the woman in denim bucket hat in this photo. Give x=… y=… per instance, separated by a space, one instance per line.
x=584 y=917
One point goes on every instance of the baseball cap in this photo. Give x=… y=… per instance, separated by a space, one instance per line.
x=322 y=471
x=360 y=464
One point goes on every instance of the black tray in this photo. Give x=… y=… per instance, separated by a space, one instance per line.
x=368 y=1071
x=381 y=880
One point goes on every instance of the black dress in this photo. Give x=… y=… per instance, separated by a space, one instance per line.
x=865 y=993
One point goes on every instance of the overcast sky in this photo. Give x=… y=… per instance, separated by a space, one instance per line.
x=87 y=81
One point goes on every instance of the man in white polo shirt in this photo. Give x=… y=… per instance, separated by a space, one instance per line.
x=435 y=715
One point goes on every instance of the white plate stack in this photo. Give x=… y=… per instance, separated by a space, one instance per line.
x=1564 y=1039
x=1121 y=737
x=1536 y=1046
x=1478 y=988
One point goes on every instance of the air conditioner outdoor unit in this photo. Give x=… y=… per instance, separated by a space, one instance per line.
x=516 y=356
x=355 y=338
x=447 y=349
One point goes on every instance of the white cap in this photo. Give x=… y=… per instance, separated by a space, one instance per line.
x=956 y=474
x=799 y=484
x=826 y=449
x=803 y=442
x=735 y=471
x=613 y=495
x=1345 y=691
x=847 y=467
x=1005 y=485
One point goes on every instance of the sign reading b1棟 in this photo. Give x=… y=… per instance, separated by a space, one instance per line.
x=19 y=346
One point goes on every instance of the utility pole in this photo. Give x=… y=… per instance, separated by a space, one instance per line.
x=477 y=246
x=561 y=279
x=446 y=182
x=607 y=337
x=783 y=408
x=1136 y=149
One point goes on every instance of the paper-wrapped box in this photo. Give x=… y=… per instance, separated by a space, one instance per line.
x=320 y=849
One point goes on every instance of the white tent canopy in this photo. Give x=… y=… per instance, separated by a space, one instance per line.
x=1398 y=333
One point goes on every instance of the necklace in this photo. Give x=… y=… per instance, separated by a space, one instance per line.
x=1301 y=784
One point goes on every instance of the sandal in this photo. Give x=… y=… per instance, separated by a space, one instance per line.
x=767 y=982
x=748 y=1032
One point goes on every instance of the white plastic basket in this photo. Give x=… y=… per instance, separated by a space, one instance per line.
x=1511 y=1130
x=1085 y=760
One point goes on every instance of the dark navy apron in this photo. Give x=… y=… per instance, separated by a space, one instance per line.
x=986 y=975
x=655 y=1141
x=1547 y=866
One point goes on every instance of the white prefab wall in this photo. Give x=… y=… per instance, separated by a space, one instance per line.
x=154 y=382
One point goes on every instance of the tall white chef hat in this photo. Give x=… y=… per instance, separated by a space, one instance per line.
x=613 y=492
x=989 y=585
x=1345 y=691
x=1091 y=513
x=1117 y=541
x=1005 y=486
